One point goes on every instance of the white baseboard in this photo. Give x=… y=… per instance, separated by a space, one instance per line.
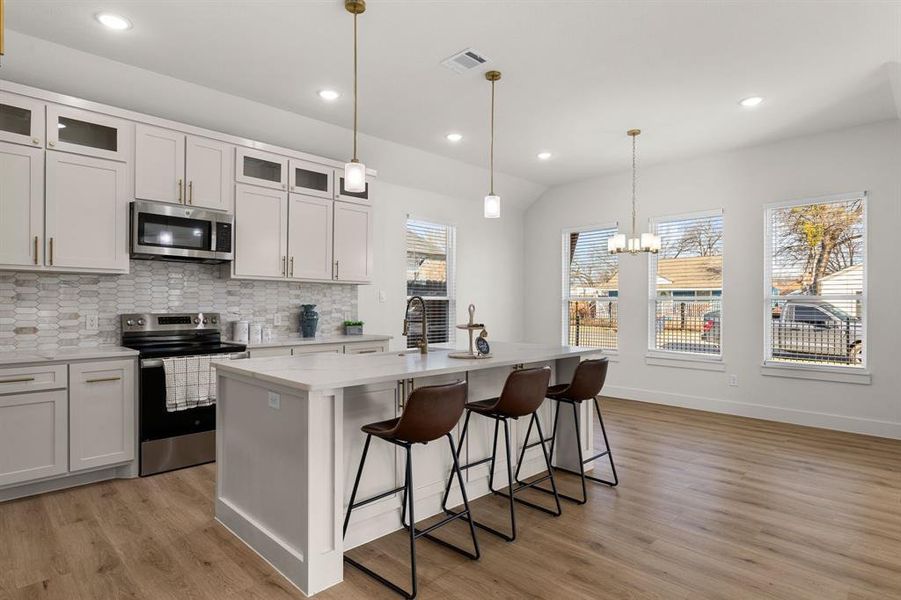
x=886 y=429
x=67 y=480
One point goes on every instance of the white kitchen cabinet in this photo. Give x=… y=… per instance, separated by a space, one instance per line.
x=101 y=413
x=310 y=237
x=311 y=179
x=254 y=167
x=317 y=349
x=209 y=173
x=364 y=348
x=21 y=120
x=21 y=205
x=352 y=242
x=261 y=228
x=183 y=169
x=86 y=213
x=88 y=133
x=159 y=164
x=355 y=197
x=33 y=436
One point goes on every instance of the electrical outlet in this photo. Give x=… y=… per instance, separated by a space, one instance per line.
x=275 y=401
x=382 y=296
x=277 y=319
x=91 y=322
x=733 y=380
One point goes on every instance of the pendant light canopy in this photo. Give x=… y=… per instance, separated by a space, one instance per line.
x=492 y=200
x=635 y=244
x=355 y=171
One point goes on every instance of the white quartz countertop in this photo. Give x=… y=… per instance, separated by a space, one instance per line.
x=8 y=359
x=298 y=340
x=332 y=371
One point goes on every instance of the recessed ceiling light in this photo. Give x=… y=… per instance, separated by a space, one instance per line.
x=751 y=102
x=544 y=155
x=329 y=95
x=113 y=21
x=454 y=137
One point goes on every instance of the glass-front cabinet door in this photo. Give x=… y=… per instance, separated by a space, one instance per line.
x=261 y=168
x=311 y=179
x=343 y=194
x=88 y=133
x=21 y=120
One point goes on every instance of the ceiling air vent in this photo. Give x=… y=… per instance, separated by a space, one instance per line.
x=464 y=61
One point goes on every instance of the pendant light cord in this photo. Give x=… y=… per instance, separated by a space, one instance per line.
x=634 y=185
x=355 y=88
x=491 y=152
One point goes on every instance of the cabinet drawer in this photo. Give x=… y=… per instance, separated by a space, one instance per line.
x=33 y=436
x=266 y=352
x=364 y=348
x=318 y=349
x=32 y=379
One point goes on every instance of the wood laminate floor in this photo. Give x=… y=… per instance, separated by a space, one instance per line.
x=709 y=506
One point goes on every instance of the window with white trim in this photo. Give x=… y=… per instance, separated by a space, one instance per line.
x=590 y=288
x=686 y=286
x=430 y=274
x=815 y=282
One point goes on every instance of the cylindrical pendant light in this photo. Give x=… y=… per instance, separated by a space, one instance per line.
x=355 y=171
x=492 y=200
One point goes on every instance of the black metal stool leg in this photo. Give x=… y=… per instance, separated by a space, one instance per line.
x=450 y=478
x=521 y=485
x=353 y=493
x=607 y=451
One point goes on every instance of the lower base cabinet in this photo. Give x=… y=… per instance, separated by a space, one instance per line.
x=33 y=436
x=101 y=414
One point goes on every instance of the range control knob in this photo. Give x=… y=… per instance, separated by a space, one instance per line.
x=214 y=320
x=130 y=322
x=141 y=322
x=204 y=320
x=196 y=320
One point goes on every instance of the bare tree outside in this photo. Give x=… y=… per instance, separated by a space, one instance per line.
x=702 y=238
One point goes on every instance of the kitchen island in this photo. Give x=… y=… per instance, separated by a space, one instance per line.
x=289 y=443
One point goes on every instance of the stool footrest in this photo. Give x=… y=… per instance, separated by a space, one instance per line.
x=379 y=578
x=379 y=497
x=475 y=464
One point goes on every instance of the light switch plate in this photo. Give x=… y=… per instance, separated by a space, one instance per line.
x=382 y=296
x=275 y=401
x=733 y=380
x=91 y=322
x=276 y=319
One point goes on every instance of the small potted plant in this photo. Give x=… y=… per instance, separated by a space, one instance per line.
x=353 y=327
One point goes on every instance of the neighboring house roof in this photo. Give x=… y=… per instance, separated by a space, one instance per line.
x=429 y=270
x=689 y=273
x=854 y=271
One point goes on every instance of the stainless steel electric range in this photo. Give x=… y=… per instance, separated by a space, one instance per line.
x=178 y=438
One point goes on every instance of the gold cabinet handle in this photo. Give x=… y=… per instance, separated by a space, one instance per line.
x=35 y=140
x=181 y=185
x=51 y=144
x=292 y=266
x=284 y=261
x=99 y=379
x=337 y=269
x=191 y=193
x=17 y=380
x=35 y=249
x=51 y=252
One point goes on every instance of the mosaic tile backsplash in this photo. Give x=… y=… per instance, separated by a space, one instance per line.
x=46 y=311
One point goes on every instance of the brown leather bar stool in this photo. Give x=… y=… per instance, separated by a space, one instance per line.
x=586 y=384
x=523 y=394
x=429 y=414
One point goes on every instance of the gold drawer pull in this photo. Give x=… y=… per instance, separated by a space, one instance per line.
x=35 y=249
x=17 y=380
x=102 y=379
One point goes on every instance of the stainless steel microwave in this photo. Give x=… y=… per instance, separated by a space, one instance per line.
x=161 y=231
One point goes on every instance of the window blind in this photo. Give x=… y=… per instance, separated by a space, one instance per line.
x=816 y=282
x=686 y=285
x=430 y=274
x=590 y=301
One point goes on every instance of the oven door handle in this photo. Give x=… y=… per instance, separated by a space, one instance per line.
x=151 y=363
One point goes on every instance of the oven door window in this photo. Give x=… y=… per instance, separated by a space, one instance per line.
x=174 y=232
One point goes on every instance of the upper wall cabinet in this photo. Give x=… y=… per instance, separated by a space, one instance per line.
x=261 y=168
x=86 y=213
x=353 y=242
x=342 y=194
x=88 y=133
x=261 y=232
x=311 y=179
x=21 y=120
x=184 y=169
x=21 y=205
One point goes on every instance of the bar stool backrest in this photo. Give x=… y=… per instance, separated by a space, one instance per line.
x=588 y=380
x=431 y=412
x=523 y=392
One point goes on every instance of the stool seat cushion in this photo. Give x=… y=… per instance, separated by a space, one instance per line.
x=382 y=429
x=483 y=407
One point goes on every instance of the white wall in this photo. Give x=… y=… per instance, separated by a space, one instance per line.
x=427 y=186
x=740 y=182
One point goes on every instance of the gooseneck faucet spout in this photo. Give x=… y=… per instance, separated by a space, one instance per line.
x=424 y=341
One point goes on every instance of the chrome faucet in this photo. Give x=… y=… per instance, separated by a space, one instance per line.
x=424 y=342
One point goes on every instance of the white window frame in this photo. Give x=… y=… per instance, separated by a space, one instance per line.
x=842 y=373
x=673 y=358
x=451 y=273
x=566 y=298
